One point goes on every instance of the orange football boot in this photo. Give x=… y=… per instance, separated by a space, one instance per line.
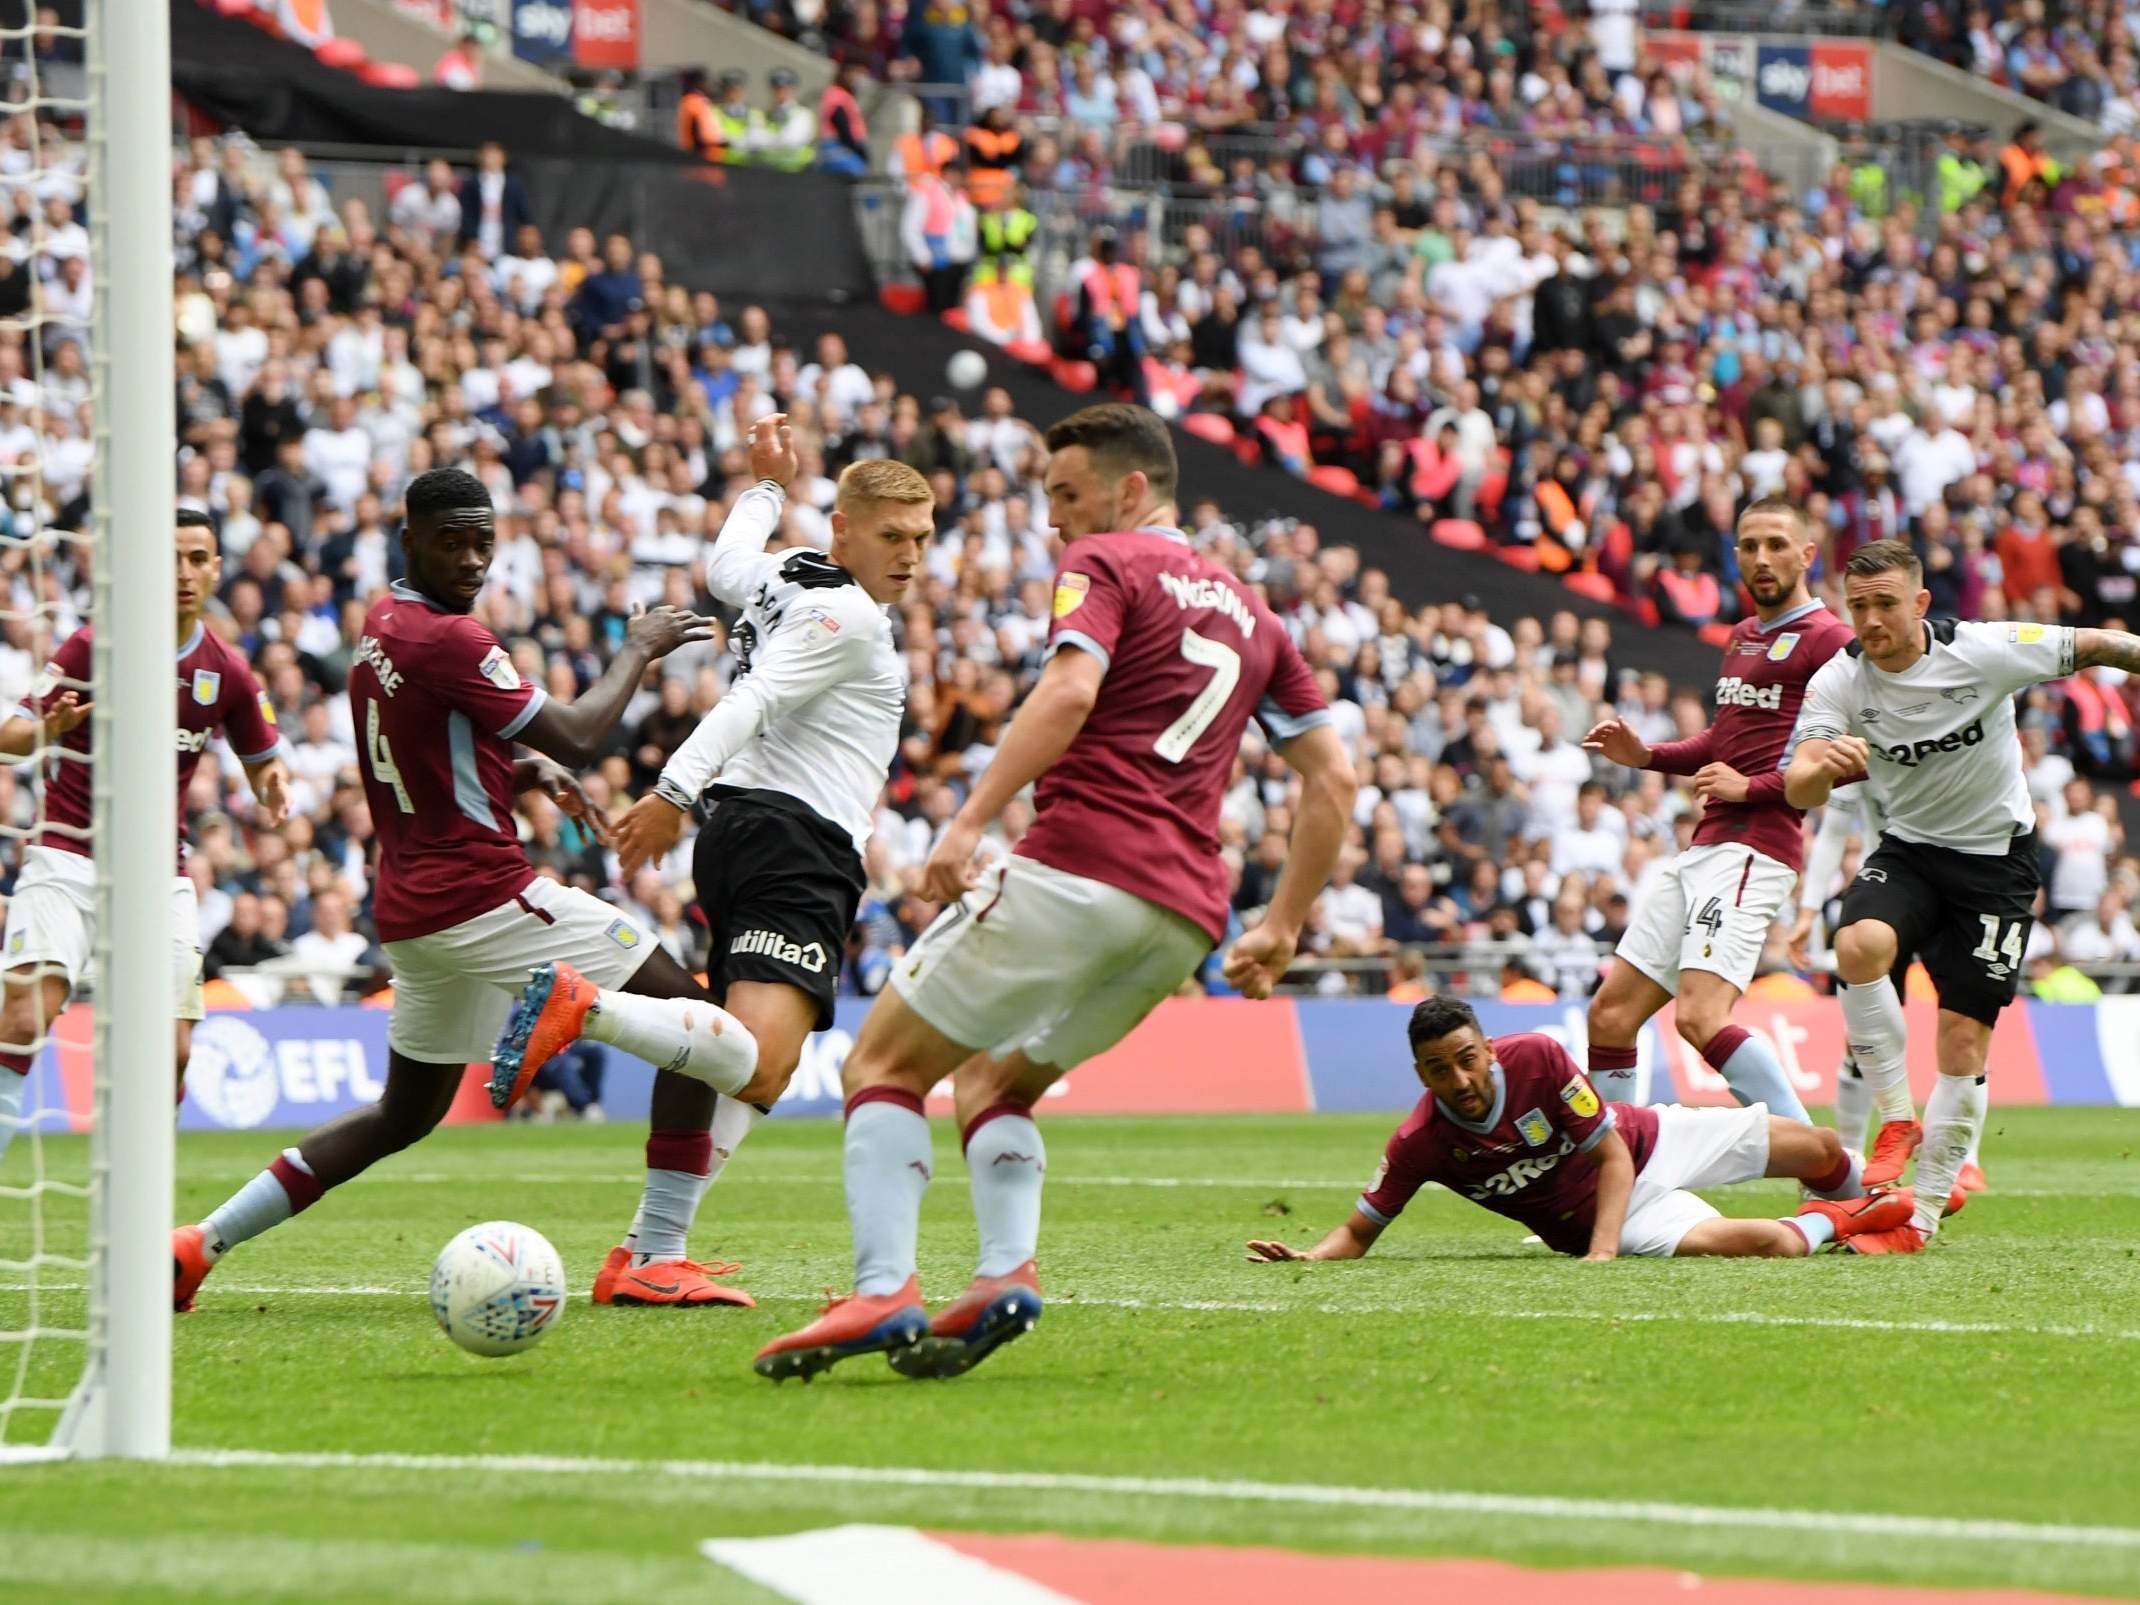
x=545 y=1017
x=861 y=1323
x=1971 y=1180
x=190 y=1266
x=974 y=1325
x=668 y=1281
x=1892 y=1147
x=1906 y=1239
x=1855 y=1217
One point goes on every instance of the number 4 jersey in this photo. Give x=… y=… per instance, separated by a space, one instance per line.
x=1189 y=656
x=437 y=703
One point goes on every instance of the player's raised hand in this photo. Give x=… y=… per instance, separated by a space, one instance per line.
x=950 y=872
x=1616 y=741
x=1262 y=1252
x=772 y=450
x=661 y=630
x=65 y=715
x=649 y=830
x=1719 y=782
x=1258 y=960
x=1794 y=945
x=271 y=790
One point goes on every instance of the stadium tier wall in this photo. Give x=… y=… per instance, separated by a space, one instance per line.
x=294 y=1067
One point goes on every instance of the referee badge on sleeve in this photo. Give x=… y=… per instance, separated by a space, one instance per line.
x=1070 y=592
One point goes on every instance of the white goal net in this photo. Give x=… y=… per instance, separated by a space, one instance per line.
x=86 y=444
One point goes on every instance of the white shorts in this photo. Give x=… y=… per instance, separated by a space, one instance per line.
x=1712 y=910
x=452 y=988
x=1695 y=1148
x=52 y=925
x=1037 y=960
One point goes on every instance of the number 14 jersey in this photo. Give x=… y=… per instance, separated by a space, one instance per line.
x=1189 y=655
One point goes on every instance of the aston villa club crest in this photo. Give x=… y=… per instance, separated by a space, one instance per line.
x=207 y=685
x=1534 y=1128
x=1780 y=648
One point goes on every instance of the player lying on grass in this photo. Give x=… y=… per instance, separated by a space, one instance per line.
x=437 y=706
x=1512 y=1123
x=51 y=918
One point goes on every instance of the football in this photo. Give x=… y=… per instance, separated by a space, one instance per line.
x=497 y=1288
x=966 y=370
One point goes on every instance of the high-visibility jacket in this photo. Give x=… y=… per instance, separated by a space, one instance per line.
x=838 y=100
x=925 y=155
x=735 y=124
x=991 y=160
x=1005 y=237
x=1114 y=295
x=788 y=140
x=698 y=126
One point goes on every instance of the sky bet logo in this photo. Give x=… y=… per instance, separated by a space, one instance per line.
x=543 y=22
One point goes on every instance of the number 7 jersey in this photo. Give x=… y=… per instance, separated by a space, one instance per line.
x=1189 y=655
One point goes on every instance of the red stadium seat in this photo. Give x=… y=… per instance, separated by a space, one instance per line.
x=233 y=8
x=1492 y=487
x=1367 y=498
x=1247 y=450
x=1073 y=375
x=390 y=75
x=1643 y=611
x=1523 y=557
x=1595 y=586
x=345 y=54
x=1033 y=352
x=263 y=21
x=956 y=319
x=1717 y=635
x=1338 y=481
x=1209 y=426
x=1459 y=534
x=904 y=299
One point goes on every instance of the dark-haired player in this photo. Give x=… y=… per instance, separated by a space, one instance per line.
x=51 y=918
x=463 y=917
x=1513 y=1124
x=1157 y=660
x=1696 y=940
x=1927 y=708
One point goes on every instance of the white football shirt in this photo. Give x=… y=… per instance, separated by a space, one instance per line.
x=1946 y=765
x=816 y=711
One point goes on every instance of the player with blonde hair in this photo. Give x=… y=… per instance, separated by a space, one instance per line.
x=784 y=775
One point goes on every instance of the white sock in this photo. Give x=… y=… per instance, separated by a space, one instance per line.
x=252 y=1209
x=687 y=1035
x=670 y=1202
x=1954 y=1114
x=13 y=1087
x=1006 y=1163
x=1872 y=1013
x=1818 y=1230
x=887 y=1163
x=1853 y=1106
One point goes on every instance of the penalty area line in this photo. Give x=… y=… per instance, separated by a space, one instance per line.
x=1454 y=1502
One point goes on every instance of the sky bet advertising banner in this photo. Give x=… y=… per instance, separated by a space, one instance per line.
x=291 y=1068
x=1814 y=80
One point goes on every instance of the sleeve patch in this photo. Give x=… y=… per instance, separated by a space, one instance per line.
x=267 y=710
x=47 y=681
x=822 y=619
x=1580 y=1099
x=2023 y=634
x=1071 y=590
x=1382 y=1174
x=498 y=669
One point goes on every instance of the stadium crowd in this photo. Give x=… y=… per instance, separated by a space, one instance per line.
x=328 y=355
x=2077 y=55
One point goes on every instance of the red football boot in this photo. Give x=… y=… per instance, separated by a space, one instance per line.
x=190 y=1266
x=861 y=1323
x=545 y=1017
x=1855 y=1217
x=1895 y=1240
x=1971 y=1179
x=669 y=1281
x=1892 y=1147
x=974 y=1325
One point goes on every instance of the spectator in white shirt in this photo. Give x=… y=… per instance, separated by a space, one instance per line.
x=340 y=453
x=2105 y=936
x=1565 y=952
x=2083 y=841
x=1270 y=366
x=525 y=275
x=332 y=946
x=1555 y=774
x=1929 y=460
x=431 y=207
x=1352 y=915
x=1591 y=847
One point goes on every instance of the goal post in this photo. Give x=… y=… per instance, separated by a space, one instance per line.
x=123 y=1406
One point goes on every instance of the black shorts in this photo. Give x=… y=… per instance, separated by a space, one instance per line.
x=779 y=885
x=1966 y=915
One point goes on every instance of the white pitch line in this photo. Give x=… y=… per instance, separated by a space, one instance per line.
x=1069 y=1301
x=1445 y=1501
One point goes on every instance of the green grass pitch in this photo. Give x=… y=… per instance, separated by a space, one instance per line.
x=1994 y=1379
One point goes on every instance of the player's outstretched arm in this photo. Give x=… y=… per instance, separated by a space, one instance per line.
x=270 y=781
x=2106 y=649
x=1616 y=1184
x=1618 y=743
x=1348 y=1241
x=736 y=564
x=1040 y=733
x=576 y=733
x=1259 y=959
x=1820 y=764
x=22 y=735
